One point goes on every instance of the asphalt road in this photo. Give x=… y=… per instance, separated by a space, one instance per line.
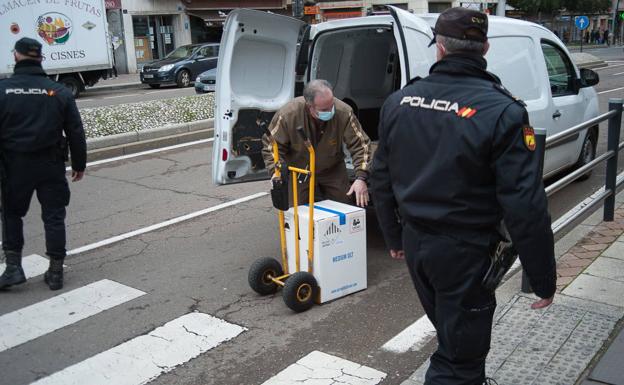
x=200 y=265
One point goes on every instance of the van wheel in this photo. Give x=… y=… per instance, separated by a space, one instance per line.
x=154 y=85
x=588 y=153
x=73 y=84
x=299 y=291
x=183 y=79
x=260 y=274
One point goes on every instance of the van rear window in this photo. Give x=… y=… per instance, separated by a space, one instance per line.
x=512 y=58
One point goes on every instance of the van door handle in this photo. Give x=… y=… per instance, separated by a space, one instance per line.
x=557 y=114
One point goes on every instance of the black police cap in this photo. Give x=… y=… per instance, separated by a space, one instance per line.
x=463 y=24
x=28 y=47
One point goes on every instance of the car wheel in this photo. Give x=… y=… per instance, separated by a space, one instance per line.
x=154 y=85
x=72 y=84
x=183 y=79
x=588 y=153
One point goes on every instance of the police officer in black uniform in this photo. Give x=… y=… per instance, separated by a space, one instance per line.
x=38 y=120
x=456 y=155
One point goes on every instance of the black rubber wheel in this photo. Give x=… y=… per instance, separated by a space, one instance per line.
x=154 y=85
x=74 y=85
x=183 y=78
x=588 y=153
x=299 y=291
x=259 y=275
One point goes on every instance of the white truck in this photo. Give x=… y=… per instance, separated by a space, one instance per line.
x=74 y=35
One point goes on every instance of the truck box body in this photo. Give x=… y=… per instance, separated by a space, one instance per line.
x=74 y=34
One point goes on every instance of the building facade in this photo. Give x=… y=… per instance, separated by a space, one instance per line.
x=146 y=30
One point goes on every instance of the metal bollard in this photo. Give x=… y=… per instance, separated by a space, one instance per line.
x=613 y=142
x=540 y=148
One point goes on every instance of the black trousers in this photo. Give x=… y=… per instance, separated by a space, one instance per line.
x=447 y=274
x=43 y=173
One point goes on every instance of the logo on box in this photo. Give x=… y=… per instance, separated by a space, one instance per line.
x=330 y=235
x=356 y=225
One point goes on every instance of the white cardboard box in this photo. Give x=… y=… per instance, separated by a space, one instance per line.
x=339 y=247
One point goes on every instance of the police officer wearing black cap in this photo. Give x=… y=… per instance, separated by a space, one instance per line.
x=38 y=121
x=456 y=155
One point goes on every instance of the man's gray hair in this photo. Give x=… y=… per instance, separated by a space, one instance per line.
x=453 y=45
x=314 y=88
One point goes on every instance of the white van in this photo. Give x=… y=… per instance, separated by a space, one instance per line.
x=266 y=59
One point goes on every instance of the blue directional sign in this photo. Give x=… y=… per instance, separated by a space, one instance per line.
x=582 y=22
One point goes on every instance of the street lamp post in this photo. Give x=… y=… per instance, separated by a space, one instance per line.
x=500 y=9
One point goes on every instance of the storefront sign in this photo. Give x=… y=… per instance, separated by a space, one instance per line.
x=112 y=4
x=342 y=15
x=342 y=4
x=312 y=10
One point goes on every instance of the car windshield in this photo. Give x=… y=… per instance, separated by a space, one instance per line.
x=181 y=52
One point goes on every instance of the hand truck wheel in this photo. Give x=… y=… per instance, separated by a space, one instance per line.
x=260 y=274
x=299 y=291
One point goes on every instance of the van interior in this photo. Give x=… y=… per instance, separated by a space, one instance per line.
x=361 y=63
x=363 y=66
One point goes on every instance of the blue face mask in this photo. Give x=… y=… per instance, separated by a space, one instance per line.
x=327 y=115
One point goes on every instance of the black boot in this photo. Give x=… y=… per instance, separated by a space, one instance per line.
x=54 y=276
x=13 y=274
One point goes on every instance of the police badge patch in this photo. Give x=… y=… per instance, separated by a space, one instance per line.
x=529 y=137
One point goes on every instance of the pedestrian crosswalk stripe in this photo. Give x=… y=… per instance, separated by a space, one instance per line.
x=62 y=310
x=33 y=265
x=322 y=368
x=414 y=337
x=146 y=357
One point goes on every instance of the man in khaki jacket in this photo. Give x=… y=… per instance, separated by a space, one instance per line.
x=329 y=123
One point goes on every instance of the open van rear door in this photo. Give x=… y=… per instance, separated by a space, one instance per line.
x=413 y=36
x=255 y=77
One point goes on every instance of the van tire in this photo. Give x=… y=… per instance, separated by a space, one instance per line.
x=183 y=78
x=73 y=85
x=588 y=153
x=259 y=275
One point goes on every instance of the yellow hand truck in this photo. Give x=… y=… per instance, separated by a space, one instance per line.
x=266 y=275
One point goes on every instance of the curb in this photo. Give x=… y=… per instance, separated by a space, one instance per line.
x=121 y=86
x=132 y=142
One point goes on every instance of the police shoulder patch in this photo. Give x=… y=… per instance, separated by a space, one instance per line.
x=529 y=137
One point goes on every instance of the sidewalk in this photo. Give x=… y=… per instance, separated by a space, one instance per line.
x=563 y=344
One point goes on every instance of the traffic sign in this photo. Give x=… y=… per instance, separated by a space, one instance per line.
x=582 y=22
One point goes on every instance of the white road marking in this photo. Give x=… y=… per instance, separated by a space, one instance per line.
x=47 y=316
x=164 y=224
x=619 y=73
x=120 y=96
x=33 y=265
x=613 y=90
x=146 y=357
x=84 y=100
x=143 y=153
x=414 y=337
x=321 y=368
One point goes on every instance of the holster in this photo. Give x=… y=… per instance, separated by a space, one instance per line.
x=502 y=257
x=279 y=192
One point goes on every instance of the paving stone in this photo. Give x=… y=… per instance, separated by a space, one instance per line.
x=587 y=255
x=578 y=262
x=605 y=267
x=570 y=271
x=596 y=247
x=616 y=250
x=597 y=289
x=603 y=239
